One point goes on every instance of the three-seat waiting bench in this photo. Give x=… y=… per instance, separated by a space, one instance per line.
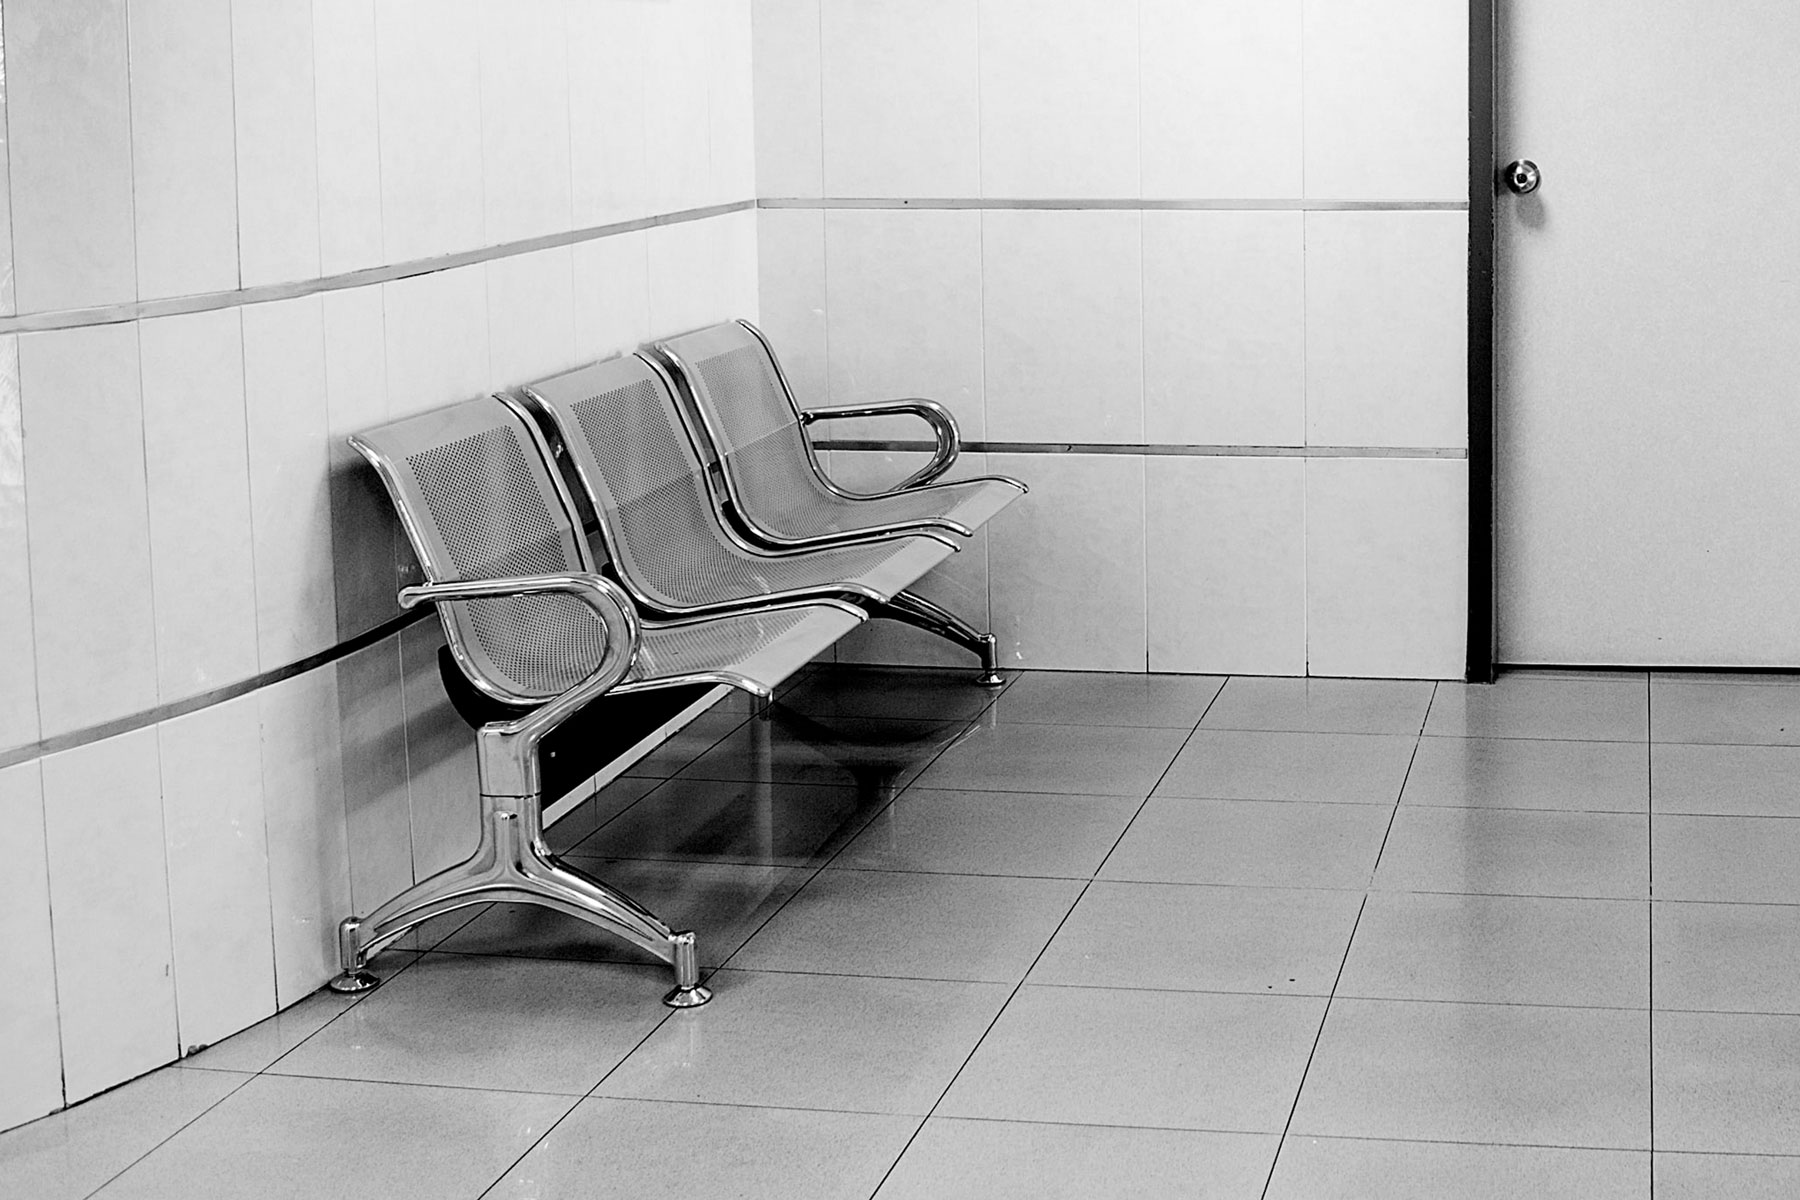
x=720 y=553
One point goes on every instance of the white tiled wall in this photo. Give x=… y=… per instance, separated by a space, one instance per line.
x=178 y=510
x=1061 y=299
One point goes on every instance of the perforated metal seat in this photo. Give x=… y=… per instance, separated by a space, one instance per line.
x=738 y=395
x=531 y=624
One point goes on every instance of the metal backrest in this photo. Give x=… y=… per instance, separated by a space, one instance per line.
x=735 y=382
x=478 y=502
x=639 y=464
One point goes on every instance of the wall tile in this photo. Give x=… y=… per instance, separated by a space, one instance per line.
x=731 y=100
x=1062 y=298
x=901 y=97
x=1386 y=99
x=109 y=890
x=531 y=315
x=18 y=684
x=785 y=59
x=89 y=521
x=442 y=784
x=1224 y=328
x=904 y=297
x=32 y=1083
x=303 y=806
x=372 y=724
x=1226 y=544
x=685 y=289
x=677 y=111
x=202 y=568
x=1221 y=99
x=218 y=866
x=69 y=121
x=1059 y=98
x=612 y=295
x=959 y=583
x=1387 y=567
x=277 y=144
x=364 y=529
x=525 y=118
x=792 y=268
x=1392 y=373
x=428 y=72
x=8 y=303
x=437 y=339
x=184 y=176
x=1066 y=563
x=739 y=266
x=290 y=503
x=608 y=86
x=348 y=135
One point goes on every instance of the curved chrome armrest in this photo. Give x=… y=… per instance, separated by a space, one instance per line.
x=623 y=633
x=942 y=422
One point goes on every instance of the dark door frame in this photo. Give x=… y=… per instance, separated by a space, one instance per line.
x=1481 y=342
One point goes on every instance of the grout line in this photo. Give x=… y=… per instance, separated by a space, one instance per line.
x=172 y=1135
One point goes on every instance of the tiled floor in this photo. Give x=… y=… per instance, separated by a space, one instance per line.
x=1105 y=936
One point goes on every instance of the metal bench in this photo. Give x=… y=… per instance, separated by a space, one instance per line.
x=755 y=432
x=540 y=644
x=673 y=547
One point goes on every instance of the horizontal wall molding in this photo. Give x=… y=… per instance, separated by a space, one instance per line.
x=137 y=310
x=1070 y=205
x=1155 y=449
x=191 y=704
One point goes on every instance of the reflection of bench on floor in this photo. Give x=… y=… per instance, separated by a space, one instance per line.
x=573 y=658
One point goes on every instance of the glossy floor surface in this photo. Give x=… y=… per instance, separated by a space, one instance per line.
x=1101 y=936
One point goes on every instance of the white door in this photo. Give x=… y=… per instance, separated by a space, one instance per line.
x=1647 y=333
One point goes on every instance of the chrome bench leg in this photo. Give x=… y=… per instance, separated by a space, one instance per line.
x=512 y=864
x=917 y=611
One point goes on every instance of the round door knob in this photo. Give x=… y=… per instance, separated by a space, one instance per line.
x=1521 y=176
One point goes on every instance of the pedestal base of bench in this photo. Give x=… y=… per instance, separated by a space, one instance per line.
x=915 y=610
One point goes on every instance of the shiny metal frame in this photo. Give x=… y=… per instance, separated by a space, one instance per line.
x=512 y=862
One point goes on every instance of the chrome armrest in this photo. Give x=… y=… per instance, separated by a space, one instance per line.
x=515 y=771
x=942 y=422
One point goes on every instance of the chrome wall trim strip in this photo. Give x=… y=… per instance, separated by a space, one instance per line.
x=1156 y=450
x=1111 y=205
x=231 y=691
x=114 y=314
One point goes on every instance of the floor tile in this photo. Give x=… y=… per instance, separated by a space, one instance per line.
x=916 y=926
x=1335 y=768
x=1101 y=698
x=1500 y=949
x=862 y=752
x=1508 y=852
x=688 y=743
x=1253 y=842
x=67 y=1155
x=1490 y=1073
x=1726 y=957
x=1537 y=706
x=1745 y=859
x=508 y=1024
x=1315 y=1168
x=913 y=693
x=579 y=823
x=1226 y=939
x=991 y=833
x=1057 y=758
x=723 y=820
x=630 y=1149
x=1739 y=1176
x=1321 y=705
x=723 y=903
x=264 y=1042
x=1748 y=781
x=1725 y=712
x=1726 y=1082
x=1529 y=773
x=836 y=1042
x=1093 y=1056
x=304 y=1138
x=1009 y=1160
